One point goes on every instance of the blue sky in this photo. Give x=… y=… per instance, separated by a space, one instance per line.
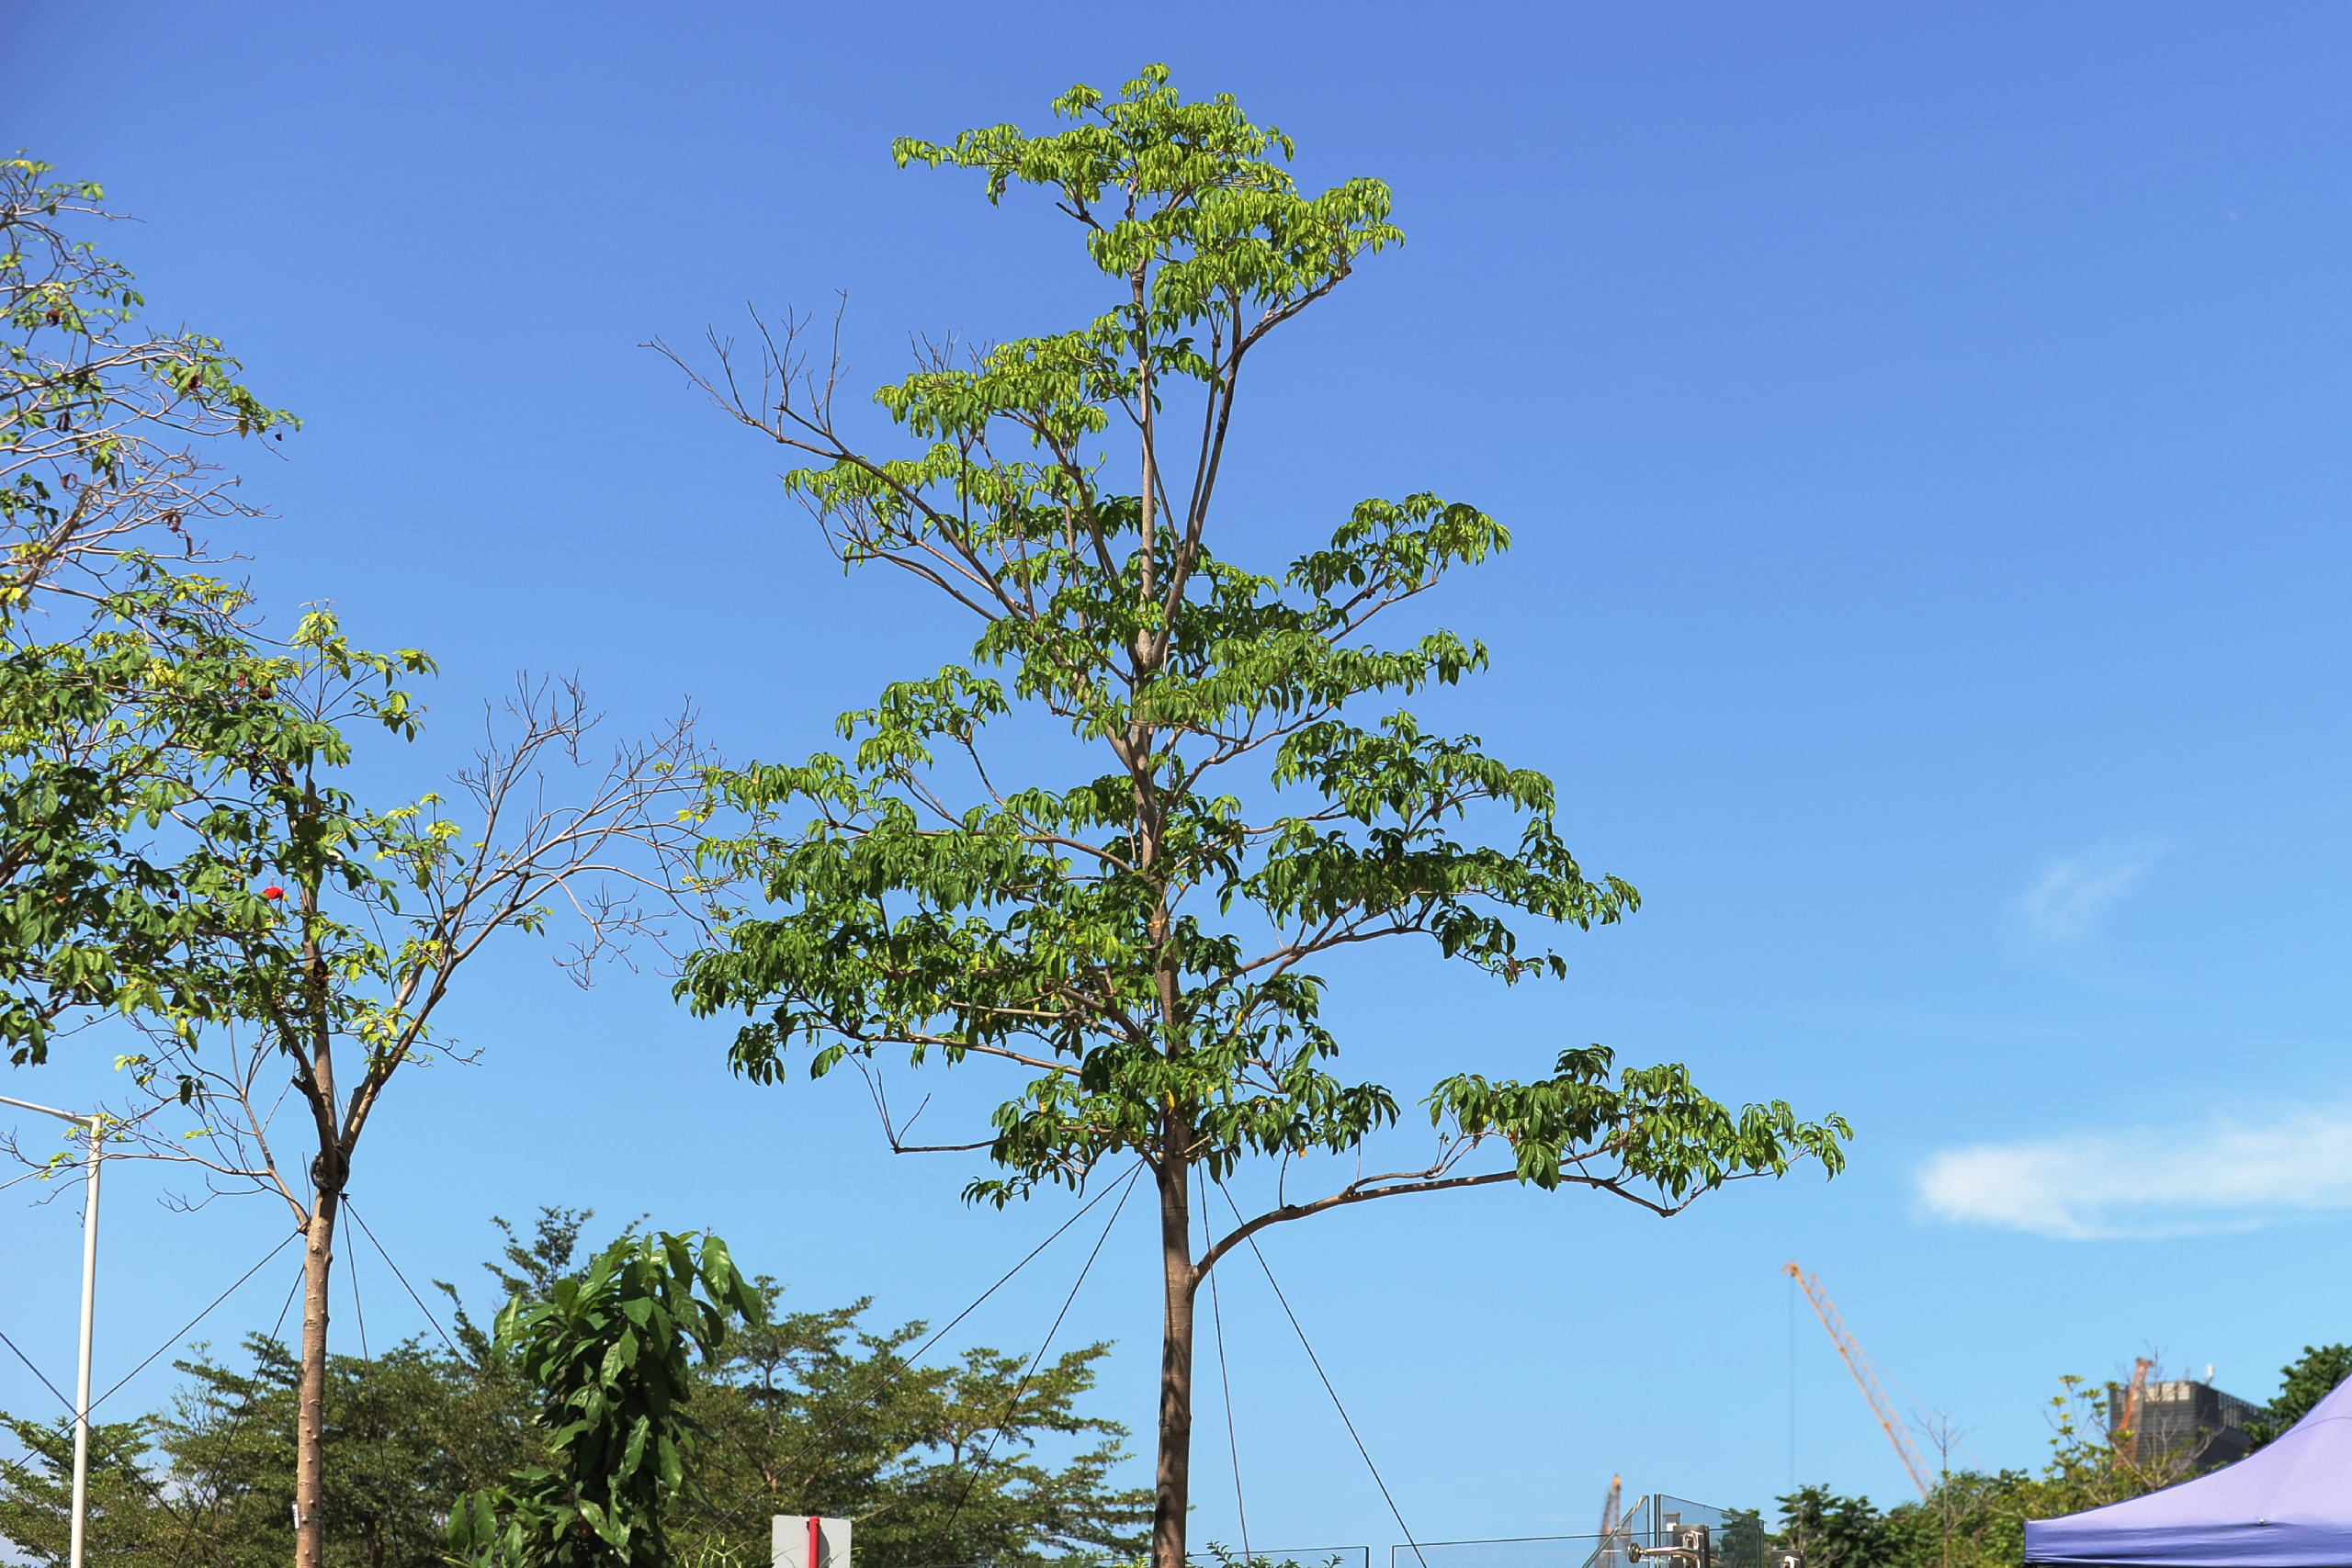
x=1925 y=439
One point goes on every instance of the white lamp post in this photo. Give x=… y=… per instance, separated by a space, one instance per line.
x=89 y=1300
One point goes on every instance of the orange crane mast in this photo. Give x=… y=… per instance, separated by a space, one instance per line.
x=1605 y=1555
x=1865 y=1375
x=2126 y=1442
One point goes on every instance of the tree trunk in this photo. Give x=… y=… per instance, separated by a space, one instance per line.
x=1175 y=1469
x=310 y=1440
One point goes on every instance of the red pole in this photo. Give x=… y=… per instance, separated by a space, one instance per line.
x=815 y=1538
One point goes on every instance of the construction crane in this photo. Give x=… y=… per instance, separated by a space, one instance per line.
x=1864 y=1374
x=2129 y=1433
x=1608 y=1509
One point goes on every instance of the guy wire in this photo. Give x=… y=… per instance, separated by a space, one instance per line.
x=357 y=1310
x=814 y=1438
x=288 y=1304
x=36 y=1372
x=130 y=1468
x=1010 y=1405
x=353 y=1210
x=187 y=1525
x=1334 y=1392
x=1225 y=1380
x=192 y=1322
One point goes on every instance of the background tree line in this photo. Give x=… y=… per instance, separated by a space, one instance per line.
x=1975 y=1518
x=801 y=1412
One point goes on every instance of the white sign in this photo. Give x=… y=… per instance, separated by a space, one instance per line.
x=804 y=1541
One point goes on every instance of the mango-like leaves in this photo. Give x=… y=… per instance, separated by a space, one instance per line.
x=611 y=1352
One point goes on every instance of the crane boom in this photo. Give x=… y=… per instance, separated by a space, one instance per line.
x=1857 y=1364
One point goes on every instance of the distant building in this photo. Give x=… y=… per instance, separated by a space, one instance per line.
x=2193 y=1425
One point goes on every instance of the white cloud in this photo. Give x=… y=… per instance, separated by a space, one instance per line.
x=2076 y=889
x=2149 y=1181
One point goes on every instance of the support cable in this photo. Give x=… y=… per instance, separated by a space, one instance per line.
x=288 y=1304
x=353 y=1210
x=36 y=1372
x=1318 y=1362
x=1224 y=1380
x=192 y=1322
x=1014 y=1404
x=358 y=1311
x=131 y=1467
x=187 y=1525
x=1016 y=1269
x=917 y=1354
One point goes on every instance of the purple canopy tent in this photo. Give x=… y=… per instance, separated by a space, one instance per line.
x=2288 y=1506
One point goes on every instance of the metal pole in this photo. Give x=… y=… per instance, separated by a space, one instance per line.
x=89 y=1315
x=89 y=1321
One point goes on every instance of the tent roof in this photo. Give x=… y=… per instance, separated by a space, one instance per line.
x=2285 y=1506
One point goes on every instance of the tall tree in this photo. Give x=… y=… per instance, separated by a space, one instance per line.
x=1140 y=944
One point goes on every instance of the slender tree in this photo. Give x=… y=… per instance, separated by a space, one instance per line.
x=175 y=849
x=1140 y=946
x=315 y=957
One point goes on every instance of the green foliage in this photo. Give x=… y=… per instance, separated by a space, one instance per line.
x=104 y=738
x=127 y=1522
x=289 y=966
x=1834 y=1531
x=124 y=673
x=273 y=816
x=610 y=1354
x=2305 y=1382
x=1141 y=940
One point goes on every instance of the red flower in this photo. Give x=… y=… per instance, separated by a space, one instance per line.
x=273 y=891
